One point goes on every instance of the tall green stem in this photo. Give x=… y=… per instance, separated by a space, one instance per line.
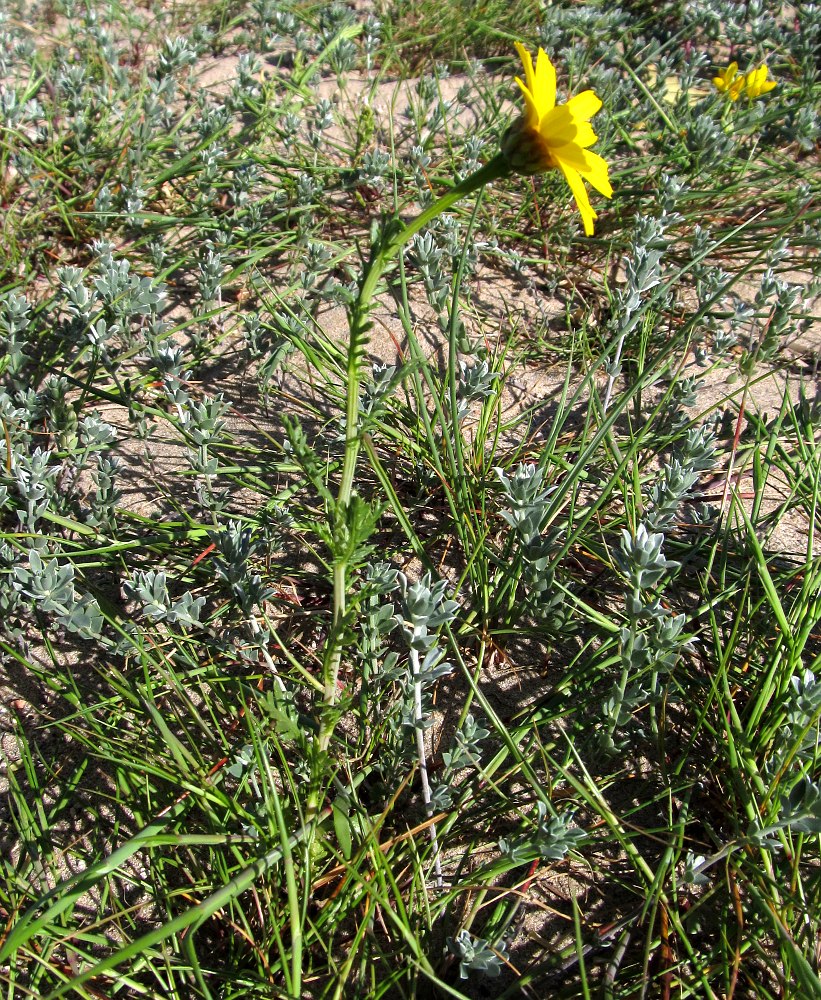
x=358 y=318
x=359 y=325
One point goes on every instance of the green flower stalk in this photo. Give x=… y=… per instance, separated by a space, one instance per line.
x=358 y=321
x=359 y=325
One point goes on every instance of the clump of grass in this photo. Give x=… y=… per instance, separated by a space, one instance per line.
x=418 y=31
x=535 y=709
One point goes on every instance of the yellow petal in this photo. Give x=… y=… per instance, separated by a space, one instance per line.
x=559 y=127
x=754 y=78
x=591 y=166
x=527 y=62
x=539 y=83
x=757 y=82
x=581 y=134
x=765 y=83
x=584 y=105
x=532 y=115
x=580 y=194
x=545 y=92
x=585 y=136
x=724 y=81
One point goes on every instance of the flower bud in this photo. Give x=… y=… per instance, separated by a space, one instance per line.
x=525 y=150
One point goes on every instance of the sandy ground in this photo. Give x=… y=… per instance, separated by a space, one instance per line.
x=498 y=306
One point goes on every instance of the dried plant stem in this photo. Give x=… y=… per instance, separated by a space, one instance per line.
x=423 y=763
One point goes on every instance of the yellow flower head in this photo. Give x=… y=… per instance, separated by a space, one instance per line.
x=757 y=83
x=548 y=136
x=729 y=82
